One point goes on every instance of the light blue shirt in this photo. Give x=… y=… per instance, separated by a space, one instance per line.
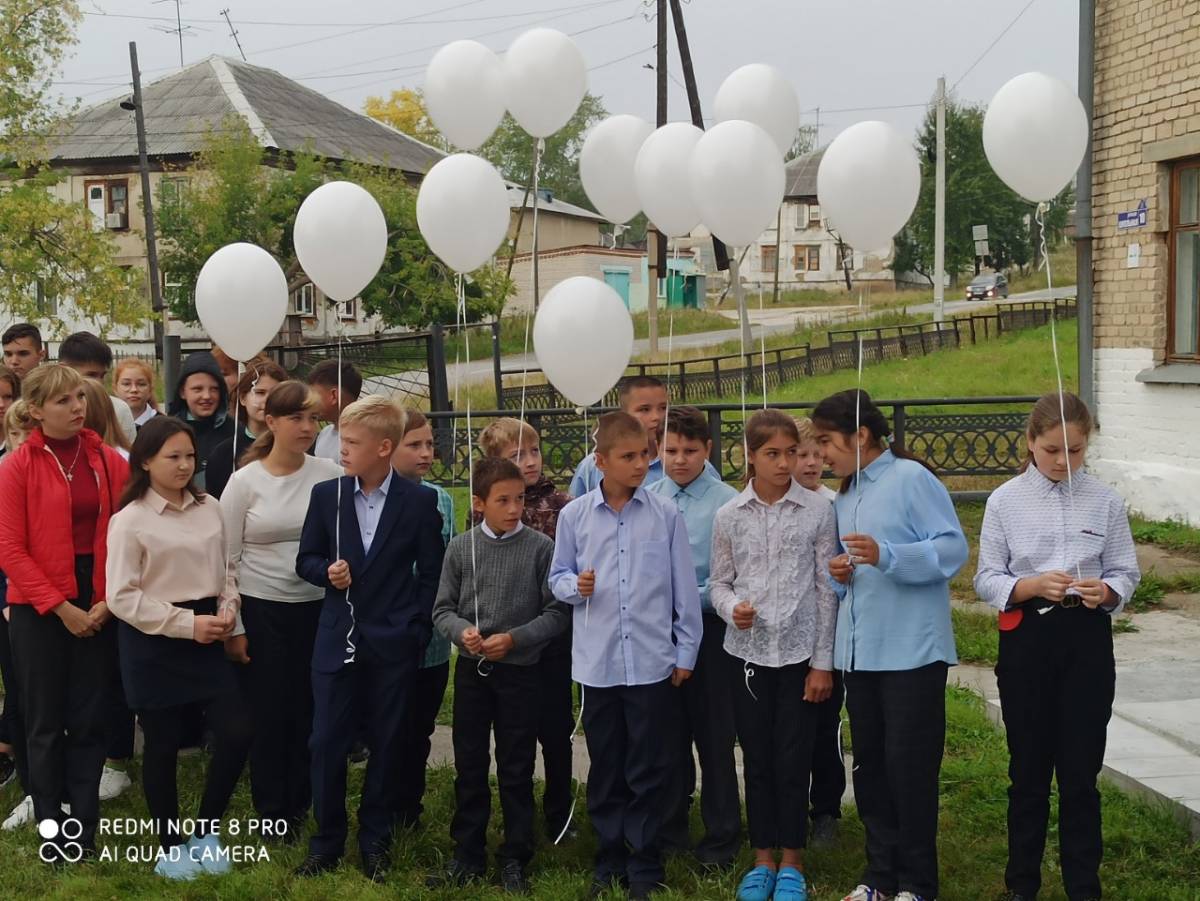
x=643 y=620
x=369 y=507
x=437 y=651
x=896 y=615
x=588 y=475
x=699 y=503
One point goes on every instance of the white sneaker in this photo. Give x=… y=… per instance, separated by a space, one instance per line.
x=113 y=783
x=22 y=815
x=909 y=896
x=866 y=893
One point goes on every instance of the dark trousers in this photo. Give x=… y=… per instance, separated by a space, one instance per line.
x=626 y=730
x=164 y=730
x=898 y=729
x=118 y=742
x=429 y=688
x=380 y=690
x=278 y=682
x=705 y=717
x=505 y=702
x=12 y=725
x=776 y=734
x=556 y=724
x=1056 y=678
x=63 y=681
x=828 y=767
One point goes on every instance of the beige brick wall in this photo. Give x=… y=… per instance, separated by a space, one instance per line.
x=1147 y=90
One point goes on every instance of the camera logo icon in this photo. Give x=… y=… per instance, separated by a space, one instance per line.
x=60 y=841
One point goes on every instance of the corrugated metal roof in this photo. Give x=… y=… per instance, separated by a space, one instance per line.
x=553 y=205
x=801 y=174
x=181 y=109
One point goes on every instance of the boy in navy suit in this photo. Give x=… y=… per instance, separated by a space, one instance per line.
x=380 y=576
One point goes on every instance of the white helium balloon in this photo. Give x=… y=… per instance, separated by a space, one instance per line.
x=241 y=299
x=464 y=93
x=868 y=184
x=606 y=166
x=737 y=181
x=583 y=338
x=1035 y=133
x=545 y=77
x=761 y=94
x=341 y=239
x=462 y=211
x=661 y=176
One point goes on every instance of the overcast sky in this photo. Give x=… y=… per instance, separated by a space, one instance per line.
x=842 y=55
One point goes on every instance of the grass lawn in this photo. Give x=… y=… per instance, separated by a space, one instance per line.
x=1174 y=536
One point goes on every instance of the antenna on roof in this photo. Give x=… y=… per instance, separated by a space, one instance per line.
x=180 y=29
x=233 y=33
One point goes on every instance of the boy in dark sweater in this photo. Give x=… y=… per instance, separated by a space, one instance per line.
x=495 y=604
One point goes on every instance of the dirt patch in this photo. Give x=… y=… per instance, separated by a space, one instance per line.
x=1165 y=563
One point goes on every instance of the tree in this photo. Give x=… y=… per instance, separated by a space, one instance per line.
x=804 y=142
x=405 y=111
x=49 y=247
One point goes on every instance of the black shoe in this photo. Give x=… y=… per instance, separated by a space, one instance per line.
x=642 y=890
x=375 y=865
x=714 y=860
x=456 y=875
x=512 y=878
x=358 y=754
x=824 y=832
x=316 y=864
x=8 y=769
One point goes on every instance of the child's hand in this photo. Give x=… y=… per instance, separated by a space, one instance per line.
x=237 y=649
x=496 y=647
x=472 y=641
x=339 y=575
x=841 y=568
x=862 y=548
x=207 y=629
x=679 y=676
x=1092 y=592
x=1052 y=586
x=587 y=583
x=99 y=614
x=818 y=686
x=743 y=615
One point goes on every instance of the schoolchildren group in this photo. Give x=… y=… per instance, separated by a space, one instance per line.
x=228 y=573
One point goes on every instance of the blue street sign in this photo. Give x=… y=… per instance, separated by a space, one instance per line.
x=1133 y=218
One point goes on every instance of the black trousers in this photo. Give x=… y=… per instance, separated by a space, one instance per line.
x=627 y=739
x=119 y=728
x=556 y=724
x=505 y=702
x=429 y=688
x=164 y=730
x=1056 y=678
x=64 y=684
x=278 y=682
x=898 y=728
x=776 y=734
x=705 y=717
x=12 y=725
x=828 y=767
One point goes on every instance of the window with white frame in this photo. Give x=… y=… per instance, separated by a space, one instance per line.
x=303 y=300
x=346 y=308
x=814 y=215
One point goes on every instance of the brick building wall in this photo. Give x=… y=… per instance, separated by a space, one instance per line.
x=1147 y=119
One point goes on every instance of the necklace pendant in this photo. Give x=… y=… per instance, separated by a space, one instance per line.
x=70 y=476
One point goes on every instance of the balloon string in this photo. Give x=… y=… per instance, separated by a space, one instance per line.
x=538 y=147
x=351 y=647
x=670 y=346
x=762 y=338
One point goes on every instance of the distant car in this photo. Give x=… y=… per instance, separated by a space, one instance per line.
x=987 y=286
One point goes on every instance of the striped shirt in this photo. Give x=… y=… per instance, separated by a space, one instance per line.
x=1032 y=525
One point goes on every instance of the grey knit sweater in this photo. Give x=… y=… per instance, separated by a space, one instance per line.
x=512 y=590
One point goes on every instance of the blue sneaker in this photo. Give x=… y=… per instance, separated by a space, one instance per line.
x=209 y=855
x=757 y=885
x=177 y=864
x=790 y=885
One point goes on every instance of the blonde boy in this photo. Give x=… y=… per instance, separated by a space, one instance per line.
x=809 y=462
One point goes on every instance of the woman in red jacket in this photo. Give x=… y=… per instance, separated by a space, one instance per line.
x=56 y=495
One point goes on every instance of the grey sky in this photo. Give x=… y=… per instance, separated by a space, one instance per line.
x=840 y=54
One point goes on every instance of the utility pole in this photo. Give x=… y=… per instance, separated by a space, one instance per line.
x=939 y=210
x=233 y=33
x=655 y=241
x=156 y=299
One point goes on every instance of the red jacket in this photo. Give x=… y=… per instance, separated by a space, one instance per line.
x=35 y=521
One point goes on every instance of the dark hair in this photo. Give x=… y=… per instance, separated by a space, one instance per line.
x=689 y=424
x=836 y=413
x=254 y=371
x=1047 y=414
x=287 y=398
x=761 y=428
x=614 y=427
x=490 y=470
x=413 y=419
x=14 y=380
x=150 y=440
x=22 y=330
x=635 y=382
x=84 y=347
x=325 y=374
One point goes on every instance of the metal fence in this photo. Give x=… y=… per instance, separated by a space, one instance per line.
x=708 y=378
x=394 y=365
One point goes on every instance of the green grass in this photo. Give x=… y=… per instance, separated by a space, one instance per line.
x=976 y=637
x=1153 y=589
x=1172 y=535
x=1147 y=854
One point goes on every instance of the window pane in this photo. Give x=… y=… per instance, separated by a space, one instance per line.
x=1189 y=196
x=1187 y=291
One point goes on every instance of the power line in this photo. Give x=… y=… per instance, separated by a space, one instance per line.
x=988 y=49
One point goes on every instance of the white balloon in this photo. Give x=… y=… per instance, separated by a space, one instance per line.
x=737 y=181
x=583 y=338
x=462 y=211
x=868 y=184
x=545 y=78
x=241 y=299
x=464 y=93
x=661 y=176
x=1035 y=133
x=341 y=239
x=606 y=166
x=761 y=94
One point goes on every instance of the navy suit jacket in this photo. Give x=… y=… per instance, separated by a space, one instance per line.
x=392 y=588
